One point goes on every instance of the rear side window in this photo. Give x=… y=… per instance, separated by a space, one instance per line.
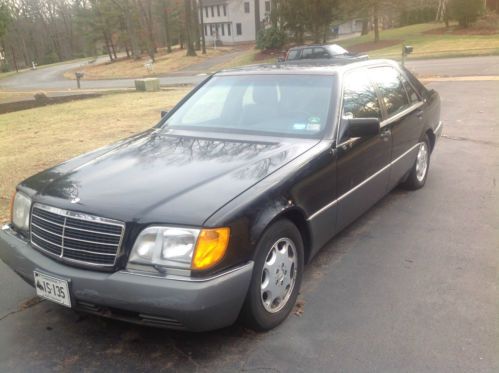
x=389 y=82
x=411 y=93
x=359 y=96
x=307 y=53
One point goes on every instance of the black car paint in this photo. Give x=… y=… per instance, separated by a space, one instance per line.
x=259 y=180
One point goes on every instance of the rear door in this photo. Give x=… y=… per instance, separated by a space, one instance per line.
x=362 y=163
x=403 y=118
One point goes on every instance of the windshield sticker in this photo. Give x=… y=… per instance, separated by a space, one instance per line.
x=314 y=124
x=299 y=126
x=313 y=127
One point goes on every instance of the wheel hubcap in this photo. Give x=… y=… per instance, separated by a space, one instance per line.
x=422 y=162
x=278 y=275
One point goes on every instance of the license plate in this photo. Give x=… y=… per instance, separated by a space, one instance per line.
x=52 y=288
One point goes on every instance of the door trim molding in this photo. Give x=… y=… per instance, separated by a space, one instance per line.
x=343 y=196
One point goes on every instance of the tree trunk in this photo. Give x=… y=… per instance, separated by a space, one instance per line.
x=188 y=28
x=14 y=60
x=257 y=17
x=108 y=47
x=203 y=40
x=376 y=22
x=195 y=25
x=167 y=29
x=273 y=13
x=130 y=28
x=365 y=26
x=113 y=48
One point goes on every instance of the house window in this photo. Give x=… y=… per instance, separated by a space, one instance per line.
x=228 y=29
x=212 y=11
x=239 y=29
x=267 y=6
x=246 y=7
x=218 y=10
x=206 y=11
x=211 y=30
x=206 y=30
x=225 y=10
x=223 y=29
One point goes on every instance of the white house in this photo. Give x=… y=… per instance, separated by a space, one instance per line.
x=233 y=21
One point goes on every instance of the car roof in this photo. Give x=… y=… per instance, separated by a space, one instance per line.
x=311 y=46
x=307 y=67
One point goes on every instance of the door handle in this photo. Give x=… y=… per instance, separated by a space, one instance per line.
x=419 y=114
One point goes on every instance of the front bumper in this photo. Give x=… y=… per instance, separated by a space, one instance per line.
x=191 y=304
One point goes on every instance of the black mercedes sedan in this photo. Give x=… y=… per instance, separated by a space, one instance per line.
x=211 y=215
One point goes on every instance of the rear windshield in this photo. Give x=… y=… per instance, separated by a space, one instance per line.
x=294 y=105
x=336 y=50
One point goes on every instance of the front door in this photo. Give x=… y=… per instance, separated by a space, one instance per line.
x=363 y=164
x=404 y=118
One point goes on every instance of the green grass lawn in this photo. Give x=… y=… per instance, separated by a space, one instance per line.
x=36 y=139
x=428 y=45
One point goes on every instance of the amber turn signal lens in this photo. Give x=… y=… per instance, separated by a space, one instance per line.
x=210 y=248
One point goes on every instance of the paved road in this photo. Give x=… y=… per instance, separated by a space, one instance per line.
x=411 y=286
x=51 y=78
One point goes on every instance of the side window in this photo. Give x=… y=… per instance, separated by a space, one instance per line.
x=359 y=96
x=390 y=85
x=293 y=55
x=411 y=93
x=320 y=53
x=307 y=53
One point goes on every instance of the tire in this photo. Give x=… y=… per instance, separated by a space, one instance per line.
x=419 y=171
x=269 y=300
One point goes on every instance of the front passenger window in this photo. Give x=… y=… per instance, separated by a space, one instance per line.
x=393 y=92
x=359 y=97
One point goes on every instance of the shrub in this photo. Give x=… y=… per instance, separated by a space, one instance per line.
x=5 y=67
x=466 y=11
x=49 y=58
x=270 y=38
x=41 y=97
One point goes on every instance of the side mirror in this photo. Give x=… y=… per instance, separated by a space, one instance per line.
x=164 y=113
x=362 y=127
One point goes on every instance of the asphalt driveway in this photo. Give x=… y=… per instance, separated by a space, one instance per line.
x=409 y=287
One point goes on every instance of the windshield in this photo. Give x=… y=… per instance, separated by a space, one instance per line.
x=295 y=105
x=336 y=50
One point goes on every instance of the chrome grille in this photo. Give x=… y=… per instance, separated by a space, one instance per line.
x=75 y=237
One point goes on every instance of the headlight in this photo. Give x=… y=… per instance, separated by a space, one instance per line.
x=20 y=211
x=179 y=248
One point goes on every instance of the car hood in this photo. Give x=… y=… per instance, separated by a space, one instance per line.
x=159 y=177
